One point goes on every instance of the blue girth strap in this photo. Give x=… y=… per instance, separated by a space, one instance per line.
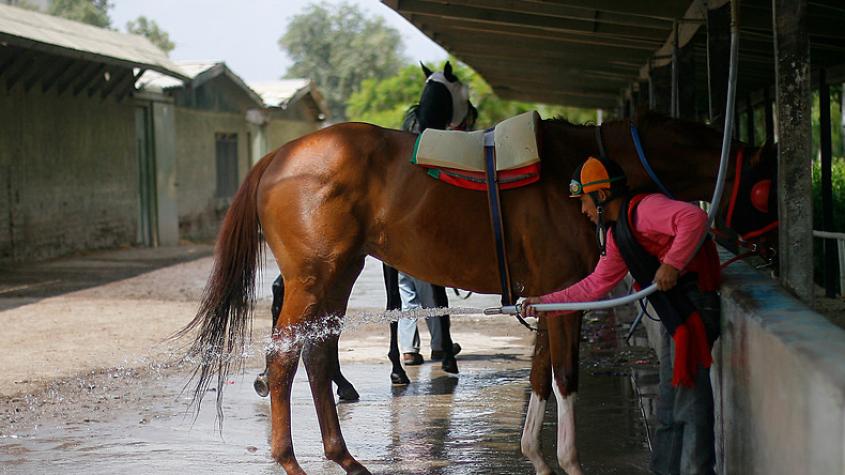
x=497 y=222
x=640 y=153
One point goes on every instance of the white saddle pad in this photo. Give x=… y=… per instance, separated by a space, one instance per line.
x=515 y=140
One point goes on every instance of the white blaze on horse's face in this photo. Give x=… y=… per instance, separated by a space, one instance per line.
x=460 y=98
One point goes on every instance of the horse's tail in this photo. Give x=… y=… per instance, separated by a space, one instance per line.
x=226 y=307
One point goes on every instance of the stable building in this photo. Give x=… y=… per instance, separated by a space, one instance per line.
x=76 y=169
x=221 y=127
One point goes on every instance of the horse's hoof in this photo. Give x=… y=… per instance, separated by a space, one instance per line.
x=348 y=393
x=450 y=365
x=399 y=378
x=261 y=386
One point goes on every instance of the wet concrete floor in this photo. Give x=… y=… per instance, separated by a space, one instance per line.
x=440 y=424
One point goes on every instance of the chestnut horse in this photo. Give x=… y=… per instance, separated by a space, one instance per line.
x=327 y=200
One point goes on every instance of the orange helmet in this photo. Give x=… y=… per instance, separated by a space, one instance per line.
x=594 y=175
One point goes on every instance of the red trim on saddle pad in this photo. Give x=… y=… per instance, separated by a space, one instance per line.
x=476 y=180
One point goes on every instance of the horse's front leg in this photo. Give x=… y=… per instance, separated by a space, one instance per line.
x=541 y=388
x=320 y=364
x=564 y=337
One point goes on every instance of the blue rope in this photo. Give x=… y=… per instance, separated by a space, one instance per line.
x=640 y=153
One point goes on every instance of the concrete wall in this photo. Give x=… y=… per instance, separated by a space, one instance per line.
x=279 y=132
x=200 y=211
x=779 y=382
x=165 y=159
x=68 y=173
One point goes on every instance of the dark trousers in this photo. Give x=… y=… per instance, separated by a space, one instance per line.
x=683 y=440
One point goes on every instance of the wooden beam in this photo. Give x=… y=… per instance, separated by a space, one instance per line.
x=16 y=73
x=118 y=83
x=72 y=74
x=795 y=206
x=463 y=26
x=41 y=66
x=11 y=60
x=420 y=8
x=559 y=11
x=52 y=79
x=83 y=81
x=131 y=86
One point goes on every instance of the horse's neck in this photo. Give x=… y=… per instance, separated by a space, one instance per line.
x=689 y=173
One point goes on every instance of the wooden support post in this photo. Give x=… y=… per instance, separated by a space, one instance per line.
x=749 y=120
x=770 y=116
x=674 y=108
x=718 y=59
x=795 y=205
x=826 y=149
x=661 y=86
x=686 y=83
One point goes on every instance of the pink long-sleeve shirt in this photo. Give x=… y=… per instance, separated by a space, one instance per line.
x=673 y=228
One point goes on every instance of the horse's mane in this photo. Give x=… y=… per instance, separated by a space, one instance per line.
x=410 y=123
x=559 y=119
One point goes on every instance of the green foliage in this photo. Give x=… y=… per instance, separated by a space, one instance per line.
x=149 y=28
x=92 y=12
x=838 y=180
x=339 y=47
x=384 y=102
x=835 y=120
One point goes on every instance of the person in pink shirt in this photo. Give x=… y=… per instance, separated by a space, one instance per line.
x=657 y=239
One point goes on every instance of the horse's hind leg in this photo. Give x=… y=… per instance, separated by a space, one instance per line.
x=319 y=361
x=541 y=388
x=282 y=364
x=320 y=357
x=564 y=338
x=345 y=390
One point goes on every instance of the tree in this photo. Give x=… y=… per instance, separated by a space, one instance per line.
x=384 y=102
x=149 y=28
x=93 y=12
x=338 y=48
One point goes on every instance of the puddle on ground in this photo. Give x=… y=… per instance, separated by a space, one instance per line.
x=440 y=424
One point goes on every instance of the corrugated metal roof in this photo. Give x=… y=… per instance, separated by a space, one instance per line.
x=282 y=92
x=152 y=80
x=47 y=33
x=279 y=93
x=197 y=72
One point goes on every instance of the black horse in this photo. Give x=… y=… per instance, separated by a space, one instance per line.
x=444 y=104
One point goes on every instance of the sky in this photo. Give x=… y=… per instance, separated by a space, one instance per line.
x=245 y=33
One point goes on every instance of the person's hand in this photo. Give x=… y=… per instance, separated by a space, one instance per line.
x=666 y=277
x=527 y=309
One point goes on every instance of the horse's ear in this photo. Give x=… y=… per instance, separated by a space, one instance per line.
x=447 y=71
x=425 y=70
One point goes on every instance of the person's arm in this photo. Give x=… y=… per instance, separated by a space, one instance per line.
x=610 y=270
x=685 y=222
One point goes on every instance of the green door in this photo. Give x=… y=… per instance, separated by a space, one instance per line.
x=147 y=223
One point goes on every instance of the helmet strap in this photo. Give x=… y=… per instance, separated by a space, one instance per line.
x=601 y=230
x=601 y=224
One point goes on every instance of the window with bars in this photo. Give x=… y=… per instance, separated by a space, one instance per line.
x=226 y=152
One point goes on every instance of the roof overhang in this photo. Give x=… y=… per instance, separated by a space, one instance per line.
x=65 y=38
x=587 y=53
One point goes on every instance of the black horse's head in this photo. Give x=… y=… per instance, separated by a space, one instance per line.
x=444 y=103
